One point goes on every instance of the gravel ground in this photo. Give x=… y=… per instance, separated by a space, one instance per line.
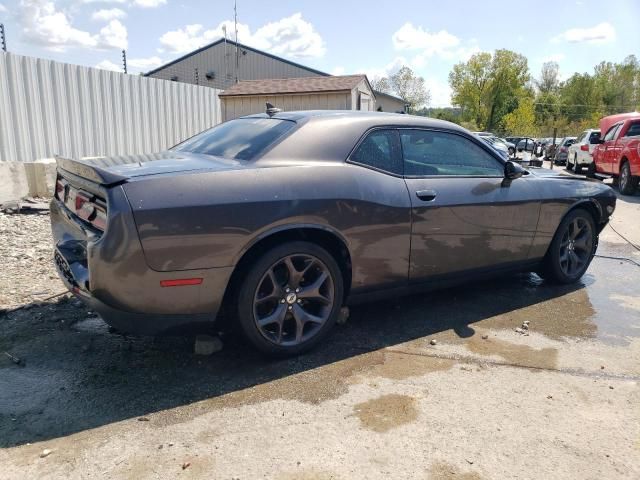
x=26 y=252
x=439 y=385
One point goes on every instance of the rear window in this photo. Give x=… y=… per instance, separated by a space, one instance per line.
x=240 y=139
x=634 y=130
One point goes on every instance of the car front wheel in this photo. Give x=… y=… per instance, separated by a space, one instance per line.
x=572 y=248
x=290 y=298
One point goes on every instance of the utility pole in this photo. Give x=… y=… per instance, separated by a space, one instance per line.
x=3 y=40
x=226 y=58
x=124 y=60
x=235 y=21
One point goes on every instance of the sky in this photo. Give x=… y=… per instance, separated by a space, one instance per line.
x=337 y=37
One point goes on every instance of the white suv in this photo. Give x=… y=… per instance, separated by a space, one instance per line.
x=580 y=154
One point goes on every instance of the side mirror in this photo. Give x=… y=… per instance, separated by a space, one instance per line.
x=513 y=170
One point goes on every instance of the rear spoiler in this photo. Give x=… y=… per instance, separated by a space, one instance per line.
x=91 y=170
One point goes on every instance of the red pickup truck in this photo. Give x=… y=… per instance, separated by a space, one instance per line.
x=618 y=154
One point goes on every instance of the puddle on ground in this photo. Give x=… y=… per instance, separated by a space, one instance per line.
x=399 y=366
x=311 y=386
x=446 y=471
x=514 y=354
x=386 y=412
x=91 y=325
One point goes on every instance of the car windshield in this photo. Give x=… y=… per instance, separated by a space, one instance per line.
x=240 y=139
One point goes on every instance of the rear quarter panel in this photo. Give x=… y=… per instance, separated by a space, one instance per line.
x=210 y=219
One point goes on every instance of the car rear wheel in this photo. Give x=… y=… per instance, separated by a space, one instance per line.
x=572 y=248
x=591 y=170
x=626 y=182
x=290 y=299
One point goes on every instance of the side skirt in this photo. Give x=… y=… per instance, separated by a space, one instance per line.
x=441 y=282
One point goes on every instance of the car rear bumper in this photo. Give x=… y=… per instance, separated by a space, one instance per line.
x=109 y=273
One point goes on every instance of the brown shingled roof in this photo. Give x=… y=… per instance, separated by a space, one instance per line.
x=279 y=86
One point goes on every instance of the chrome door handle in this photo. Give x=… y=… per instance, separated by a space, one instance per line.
x=426 y=195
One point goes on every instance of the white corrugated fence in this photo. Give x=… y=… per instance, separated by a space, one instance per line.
x=49 y=108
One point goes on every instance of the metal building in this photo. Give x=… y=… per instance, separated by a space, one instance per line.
x=347 y=92
x=214 y=65
x=224 y=63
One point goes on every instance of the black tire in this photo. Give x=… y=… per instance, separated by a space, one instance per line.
x=574 y=244
x=591 y=170
x=277 y=337
x=626 y=182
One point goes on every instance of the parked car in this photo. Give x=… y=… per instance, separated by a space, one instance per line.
x=580 y=153
x=560 y=158
x=551 y=148
x=527 y=144
x=280 y=219
x=504 y=148
x=618 y=153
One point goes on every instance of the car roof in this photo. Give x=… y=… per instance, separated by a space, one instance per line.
x=371 y=118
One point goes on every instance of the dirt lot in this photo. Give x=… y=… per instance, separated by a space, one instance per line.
x=377 y=400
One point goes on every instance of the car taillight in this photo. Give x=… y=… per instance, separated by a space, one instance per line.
x=584 y=148
x=92 y=210
x=60 y=187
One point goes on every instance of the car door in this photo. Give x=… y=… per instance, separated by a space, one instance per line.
x=609 y=150
x=465 y=215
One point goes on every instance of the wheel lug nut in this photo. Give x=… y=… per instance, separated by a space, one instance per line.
x=290 y=307
x=287 y=289
x=297 y=290
x=282 y=300
x=299 y=301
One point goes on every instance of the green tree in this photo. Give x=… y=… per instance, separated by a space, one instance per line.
x=381 y=84
x=487 y=87
x=410 y=88
x=522 y=121
x=406 y=85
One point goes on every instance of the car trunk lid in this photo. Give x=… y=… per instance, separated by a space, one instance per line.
x=109 y=171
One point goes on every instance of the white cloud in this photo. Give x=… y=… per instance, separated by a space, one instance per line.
x=144 y=63
x=601 y=33
x=109 y=65
x=339 y=70
x=291 y=36
x=104 y=15
x=410 y=37
x=440 y=92
x=555 y=57
x=103 y=1
x=3 y=8
x=149 y=3
x=113 y=35
x=43 y=24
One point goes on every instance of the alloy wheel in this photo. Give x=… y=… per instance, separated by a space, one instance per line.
x=576 y=246
x=294 y=299
x=624 y=177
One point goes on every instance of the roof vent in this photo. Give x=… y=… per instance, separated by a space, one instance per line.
x=174 y=78
x=271 y=110
x=211 y=75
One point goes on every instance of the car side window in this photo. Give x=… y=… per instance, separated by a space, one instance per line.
x=634 y=130
x=380 y=150
x=428 y=152
x=611 y=133
x=594 y=137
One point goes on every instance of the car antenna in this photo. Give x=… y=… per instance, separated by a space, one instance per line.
x=271 y=110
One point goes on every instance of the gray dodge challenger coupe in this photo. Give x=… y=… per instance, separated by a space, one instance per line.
x=280 y=219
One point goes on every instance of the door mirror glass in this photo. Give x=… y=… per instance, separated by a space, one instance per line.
x=513 y=170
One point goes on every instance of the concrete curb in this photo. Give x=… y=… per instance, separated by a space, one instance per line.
x=27 y=179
